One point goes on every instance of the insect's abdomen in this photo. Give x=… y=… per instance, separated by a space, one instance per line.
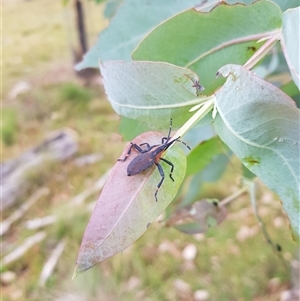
x=139 y=164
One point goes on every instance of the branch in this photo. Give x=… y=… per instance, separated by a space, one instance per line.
x=21 y=250
x=5 y=225
x=51 y=262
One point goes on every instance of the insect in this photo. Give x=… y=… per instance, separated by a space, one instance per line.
x=150 y=155
x=196 y=84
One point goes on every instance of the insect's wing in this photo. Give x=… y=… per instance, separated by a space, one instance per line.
x=140 y=163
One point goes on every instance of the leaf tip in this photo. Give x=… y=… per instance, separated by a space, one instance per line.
x=76 y=272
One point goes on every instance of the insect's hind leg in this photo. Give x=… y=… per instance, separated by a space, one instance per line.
x=172 y=167
x=161 y=171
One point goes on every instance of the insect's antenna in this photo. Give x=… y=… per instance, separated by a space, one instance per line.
x=170 y=129
x=183 y=143
x=168 y=144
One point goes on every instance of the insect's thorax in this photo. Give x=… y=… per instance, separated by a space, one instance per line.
x=160 y=149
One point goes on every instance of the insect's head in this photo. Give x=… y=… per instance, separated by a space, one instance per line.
x=168 y=143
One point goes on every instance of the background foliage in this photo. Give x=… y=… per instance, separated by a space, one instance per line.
x=258 y=122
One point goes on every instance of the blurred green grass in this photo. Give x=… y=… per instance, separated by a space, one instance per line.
x=226 y=266
x=8 y=126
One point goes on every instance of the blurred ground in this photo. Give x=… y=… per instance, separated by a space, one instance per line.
x=41 y=93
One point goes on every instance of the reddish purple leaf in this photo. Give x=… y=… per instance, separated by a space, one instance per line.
x=127 y=205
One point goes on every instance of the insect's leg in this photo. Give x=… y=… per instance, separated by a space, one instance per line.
x=161 y=171
x=172 y=167
x=137 y=148
x=128 y=153
x=148 y=147
x=164 y=140
x=140 y=150
x=147 y=144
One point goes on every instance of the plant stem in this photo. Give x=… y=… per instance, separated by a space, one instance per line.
x=201 y=113
x=262 y=52
x=233 y=196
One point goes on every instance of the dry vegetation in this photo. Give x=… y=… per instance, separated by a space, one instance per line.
x=231 y=262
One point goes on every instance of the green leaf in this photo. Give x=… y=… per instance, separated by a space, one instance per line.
x=291 y=42
x=204 y=42
x=285 y=4
x=130 y=128
x=211 y=173
x=150 y=92
x=127 y=206
x=203 y=154
x=292 y=90
x=247 y=173
x=133 y=20
x=111 y=8
x=261 y=126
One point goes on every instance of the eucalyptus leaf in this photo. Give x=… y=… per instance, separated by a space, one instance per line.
x=247 y=173
x=261 y=126
x=286 y=4
x=291 y=42
x=151 y=92
x=207 y=5
x=204 y=42
x=127 y=206
x=203 y=154
x=292 y=90
x=130 y=128
x=211 y=173
x=111 y=8
x=132 y=21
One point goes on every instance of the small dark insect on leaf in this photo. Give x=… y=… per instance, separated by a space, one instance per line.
x=196 y=84
x=251 y=48
x=149 y=155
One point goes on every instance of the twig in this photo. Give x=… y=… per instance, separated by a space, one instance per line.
x=91 y=206
x=14 y=182
x=276 y=248
x=263 y=50
x=79 y=199
x=201 y=113
x=88 y=159
x=233 y=196
x=51 y=262
x=21 y=250
x=40 y=222
x=5 y=225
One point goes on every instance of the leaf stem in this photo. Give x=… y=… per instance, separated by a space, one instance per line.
x=262 y=52
x=233 y=196
x=201 y=113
